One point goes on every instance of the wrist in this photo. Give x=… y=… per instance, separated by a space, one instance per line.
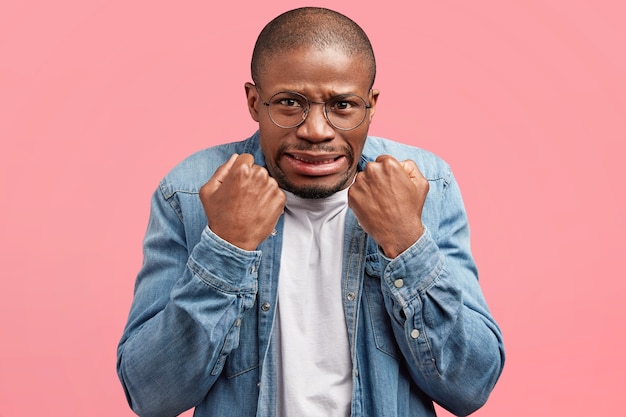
x=395 y=247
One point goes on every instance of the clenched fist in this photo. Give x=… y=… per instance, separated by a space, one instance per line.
x=387 y=198
x=242 y=202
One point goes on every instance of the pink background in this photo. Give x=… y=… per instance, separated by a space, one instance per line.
x=525 y=99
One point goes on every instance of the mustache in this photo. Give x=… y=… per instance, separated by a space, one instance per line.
x=317 y=148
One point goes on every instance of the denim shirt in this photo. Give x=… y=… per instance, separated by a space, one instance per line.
x=200 y=332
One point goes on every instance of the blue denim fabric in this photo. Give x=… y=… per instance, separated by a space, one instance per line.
x=199 y=333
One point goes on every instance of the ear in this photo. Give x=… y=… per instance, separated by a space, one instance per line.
x=373 y=100
x=254 y=101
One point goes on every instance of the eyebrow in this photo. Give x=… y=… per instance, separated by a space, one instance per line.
x=329 y=97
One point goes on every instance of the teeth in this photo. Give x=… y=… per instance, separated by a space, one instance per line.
x=315 y=162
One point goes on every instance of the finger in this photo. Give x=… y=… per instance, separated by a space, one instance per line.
x=382 y=158
x=245 y=159
x=225 y=168
x=415 y=175
x=388 y=163
x=241 y=167
x=410 y=167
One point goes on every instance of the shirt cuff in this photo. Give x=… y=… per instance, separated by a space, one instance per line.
x=413 y=270
x=224 y=265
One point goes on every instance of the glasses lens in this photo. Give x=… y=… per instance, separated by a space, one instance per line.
x=346 y=112
x=287 y=109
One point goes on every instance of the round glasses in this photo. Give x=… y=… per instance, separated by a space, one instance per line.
x=290 y=109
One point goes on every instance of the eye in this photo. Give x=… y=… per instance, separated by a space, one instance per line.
x=344 y=104
x=290 y=102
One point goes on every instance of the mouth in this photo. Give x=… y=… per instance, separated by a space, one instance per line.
x=315 y=165
x=314 y=159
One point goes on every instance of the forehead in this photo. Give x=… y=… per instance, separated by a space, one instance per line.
x=318 y=71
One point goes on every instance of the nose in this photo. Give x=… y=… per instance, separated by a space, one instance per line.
x=315 y=127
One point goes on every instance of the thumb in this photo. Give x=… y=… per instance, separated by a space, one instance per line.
x=220 y=175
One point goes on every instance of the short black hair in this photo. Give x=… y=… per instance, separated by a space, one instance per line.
x=311 y=27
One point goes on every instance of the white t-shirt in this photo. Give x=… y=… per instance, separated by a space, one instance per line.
x=314 y=366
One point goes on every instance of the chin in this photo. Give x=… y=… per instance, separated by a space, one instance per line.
x=314 y=191
x=311 y=188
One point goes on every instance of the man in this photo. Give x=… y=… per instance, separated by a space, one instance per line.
x=309 y=270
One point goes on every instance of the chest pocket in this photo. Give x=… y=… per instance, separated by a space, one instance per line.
x=374 y=309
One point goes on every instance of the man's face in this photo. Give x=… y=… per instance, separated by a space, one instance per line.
x=313 y=160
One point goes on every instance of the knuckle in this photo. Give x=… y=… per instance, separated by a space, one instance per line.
x=241 y=171
x=282 y=198
x=205 y=190
x=237 y=170
x=248 y=157
x=386 y=160
x=261 y=172
x=371 y=167
x=257 y=172
x=423 y=184
x=391 y=164
x=272 y=185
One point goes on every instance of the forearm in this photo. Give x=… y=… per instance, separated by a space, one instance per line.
x=170 y=356
x=450 y=342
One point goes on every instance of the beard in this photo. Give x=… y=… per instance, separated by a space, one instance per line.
x=313 y=191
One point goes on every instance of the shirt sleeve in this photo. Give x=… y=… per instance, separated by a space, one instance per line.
x=451 y=343
x=185 y=315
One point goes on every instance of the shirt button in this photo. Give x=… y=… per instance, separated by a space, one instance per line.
x=265 y=306
x=399 y=283
x=351 y=296
x=415 y=333
x=237 y=322
x=274 y=232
